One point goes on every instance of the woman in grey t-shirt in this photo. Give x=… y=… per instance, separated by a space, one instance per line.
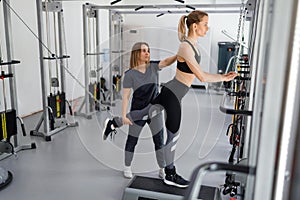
x=142 y=79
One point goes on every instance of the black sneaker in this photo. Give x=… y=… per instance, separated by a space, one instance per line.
x=108 y=129
x=172 y=178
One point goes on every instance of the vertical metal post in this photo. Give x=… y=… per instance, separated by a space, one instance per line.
x=42 y=66
x=9 y=51
x=122 y=48
x=11 y=68
x=120 y=44
x=257 y=48
x=86 y=101
x=295 y=173
x=98 y=42
x=110 y=24
x=254 y=74
x=85 y=51
x=61 y=50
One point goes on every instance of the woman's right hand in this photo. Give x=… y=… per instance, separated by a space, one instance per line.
x=126 y=121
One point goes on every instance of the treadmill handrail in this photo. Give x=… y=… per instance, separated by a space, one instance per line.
x=199 y=172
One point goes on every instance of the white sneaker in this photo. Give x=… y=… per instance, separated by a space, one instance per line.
x=127 y=172
x=161 y=173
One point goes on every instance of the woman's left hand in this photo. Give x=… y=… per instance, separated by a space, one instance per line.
x=230 y=76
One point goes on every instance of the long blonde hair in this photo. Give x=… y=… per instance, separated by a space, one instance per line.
x=135 y=53
x=194 y=17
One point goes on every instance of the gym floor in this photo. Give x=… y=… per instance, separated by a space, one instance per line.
x=77 y=164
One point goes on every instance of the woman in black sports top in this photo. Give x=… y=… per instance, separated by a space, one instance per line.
x=188 y=68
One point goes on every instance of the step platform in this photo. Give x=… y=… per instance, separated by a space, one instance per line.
x=149 y=188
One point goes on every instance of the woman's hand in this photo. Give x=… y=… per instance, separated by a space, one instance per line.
x=229 y=76
x=126 y=121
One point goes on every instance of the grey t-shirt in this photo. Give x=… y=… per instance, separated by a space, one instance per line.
x=144 y=85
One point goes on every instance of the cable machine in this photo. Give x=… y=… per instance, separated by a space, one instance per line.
x=239 y=93
x=97 y=95
x=9 y=109
x=53 y=57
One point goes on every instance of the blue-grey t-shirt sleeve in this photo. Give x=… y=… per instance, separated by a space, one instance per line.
x=154 y=65
x=128 y=81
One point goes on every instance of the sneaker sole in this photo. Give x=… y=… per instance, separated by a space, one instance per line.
x=128 y=176
x=174 y=184
x=104 y=137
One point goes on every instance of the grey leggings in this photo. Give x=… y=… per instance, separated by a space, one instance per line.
x=140 y=118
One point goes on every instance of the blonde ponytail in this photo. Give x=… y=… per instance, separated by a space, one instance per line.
x=194 y=17
x=181 y=28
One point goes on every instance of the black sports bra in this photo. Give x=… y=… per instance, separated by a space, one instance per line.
x=182 y=66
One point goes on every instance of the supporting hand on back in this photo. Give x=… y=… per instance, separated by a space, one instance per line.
x=126 y=121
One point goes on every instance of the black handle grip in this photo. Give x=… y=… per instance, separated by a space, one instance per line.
x=70 y=108
x=23 y=130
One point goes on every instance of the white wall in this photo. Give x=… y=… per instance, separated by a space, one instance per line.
x=26 y=45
